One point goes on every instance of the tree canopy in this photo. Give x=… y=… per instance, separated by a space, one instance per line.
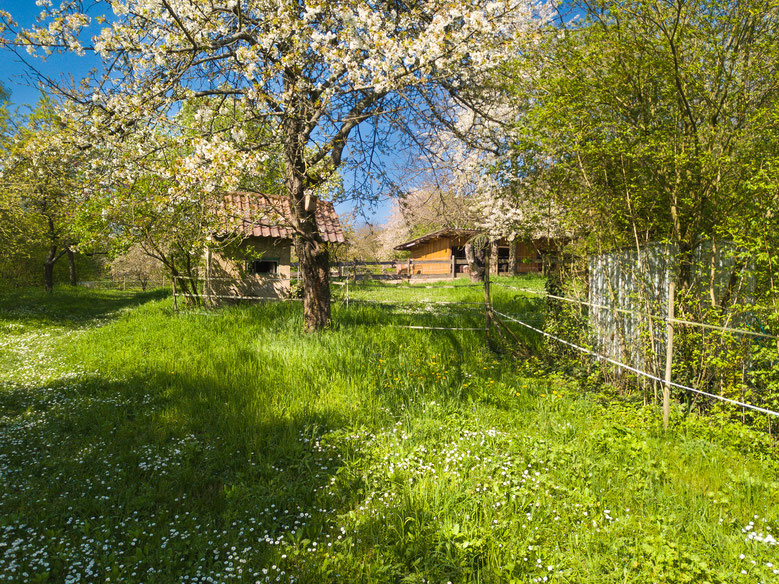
x=313 y=71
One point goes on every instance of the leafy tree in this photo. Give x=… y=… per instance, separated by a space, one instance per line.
x=645 y=112
x=162 y=211
x=40 y=188
x=656 y=121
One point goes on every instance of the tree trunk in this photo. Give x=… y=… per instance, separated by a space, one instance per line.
x=48 y=269
x=186 y=285
x=48 y=277
x=72 y=267
x=475 y=258
x=51 y=257
x=315 y=266
x=493 y=263
x=314 y=257
x=685 y=267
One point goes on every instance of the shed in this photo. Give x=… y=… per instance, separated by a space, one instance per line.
x=442 y=253
x=254 y=260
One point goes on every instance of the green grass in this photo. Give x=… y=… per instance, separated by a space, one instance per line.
x=142 y=445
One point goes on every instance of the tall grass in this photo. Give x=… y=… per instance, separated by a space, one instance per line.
x=138 y=444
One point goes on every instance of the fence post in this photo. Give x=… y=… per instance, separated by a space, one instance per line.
x=347 y=292
x=669 y=349
x=175 y=300
x=454 y=267
x=487 y=300
x=207 y=282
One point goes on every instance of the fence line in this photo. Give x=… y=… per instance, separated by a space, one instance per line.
x=436 y=328
x=204 y=279
x=594 y=354
x=413 y=302
x=207 y=296
x=123 y=283
x=646 y=314
x=418 y=287
x=638 y=371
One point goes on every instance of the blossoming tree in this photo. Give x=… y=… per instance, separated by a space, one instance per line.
x=313 y=70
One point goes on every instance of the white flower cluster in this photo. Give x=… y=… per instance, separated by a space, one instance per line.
x=506 y=204
x=250 y=48
x=759 y=536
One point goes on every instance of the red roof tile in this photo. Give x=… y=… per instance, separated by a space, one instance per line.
x=269 y=216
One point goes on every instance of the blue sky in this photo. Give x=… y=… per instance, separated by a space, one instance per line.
x=14 y=70
x=14 y=75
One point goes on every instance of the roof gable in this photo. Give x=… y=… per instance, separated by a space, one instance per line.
x=434 y=235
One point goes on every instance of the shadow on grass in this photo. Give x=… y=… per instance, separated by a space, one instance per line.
x=70 y=306
x=125 y=464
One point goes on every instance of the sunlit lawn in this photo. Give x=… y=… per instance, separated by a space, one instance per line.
x=142 y=445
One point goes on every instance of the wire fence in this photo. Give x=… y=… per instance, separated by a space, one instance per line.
x=487 y=307
x=656 y=317
x=638 y=372
x=409 y=269
x=126 y=283
x=347 y=287
x=209 y=291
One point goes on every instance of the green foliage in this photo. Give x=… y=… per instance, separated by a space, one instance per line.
x=654 y=123
x=40 y=195
x=645 y=125
x=146 y=445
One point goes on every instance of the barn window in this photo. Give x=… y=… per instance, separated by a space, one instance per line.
x=256 y=267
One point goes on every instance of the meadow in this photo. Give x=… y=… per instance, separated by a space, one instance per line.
x=140 y=444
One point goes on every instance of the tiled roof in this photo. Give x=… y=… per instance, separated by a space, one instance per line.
x=268 y=216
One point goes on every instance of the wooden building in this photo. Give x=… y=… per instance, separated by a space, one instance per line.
x=442 y=253
x=253 y=258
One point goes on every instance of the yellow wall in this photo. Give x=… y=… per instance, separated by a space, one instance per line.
x=528 y=257
x=230 y=278
x=437 y=249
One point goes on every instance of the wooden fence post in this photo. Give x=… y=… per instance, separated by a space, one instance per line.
x=454 y=267
x=207 y=283
x=487 y=300
x=175 y=301
x=669 y=349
